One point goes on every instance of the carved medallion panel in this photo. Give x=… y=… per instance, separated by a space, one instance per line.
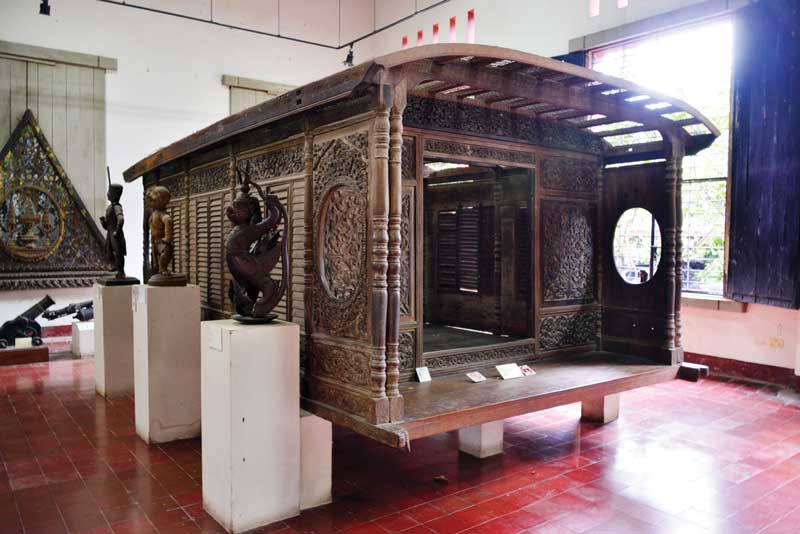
x=343 y=238
x=573 y=175
x=339 y=192
x=568 y=252
x=567 y=330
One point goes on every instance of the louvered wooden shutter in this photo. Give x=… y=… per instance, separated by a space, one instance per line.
x=468 y=249
x=447 y=251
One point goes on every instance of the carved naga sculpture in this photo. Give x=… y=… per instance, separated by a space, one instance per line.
x=253 y=249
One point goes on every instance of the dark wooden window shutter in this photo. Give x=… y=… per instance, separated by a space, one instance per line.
x=447 y=251
x=764 y=253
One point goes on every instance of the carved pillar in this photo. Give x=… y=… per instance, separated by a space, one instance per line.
x=669 y=235
x=599 y=251
x=308 y=241
x=393 y=271
x=379 y=202
x=187 y=241
x=678 y=249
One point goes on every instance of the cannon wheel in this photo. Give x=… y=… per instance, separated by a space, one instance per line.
x=36 y=341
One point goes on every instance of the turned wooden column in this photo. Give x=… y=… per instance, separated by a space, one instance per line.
x=379 y=201
x=669 y=236
x=395 y=248
x=308 y=239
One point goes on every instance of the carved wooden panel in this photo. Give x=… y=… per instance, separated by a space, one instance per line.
x=481 y=356
x=568 y=251
x=408 y=162
x=567 y=330
x=211 y=178
x=464 y=118
x=572 y=175
x=281 y=162
x=340 y=213
x=470 y=150
x=408 y=350
x=176 y=184
x=47 y=237
x=347 y=364
x=407 y=249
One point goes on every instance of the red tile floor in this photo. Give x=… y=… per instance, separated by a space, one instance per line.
x=713 y=456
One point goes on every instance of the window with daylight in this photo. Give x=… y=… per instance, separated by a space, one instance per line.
x=693 y=64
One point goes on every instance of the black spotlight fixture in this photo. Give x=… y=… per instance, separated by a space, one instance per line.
x=348 y=61
x=44 y=7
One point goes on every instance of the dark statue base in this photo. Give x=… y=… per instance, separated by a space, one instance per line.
x=114 y=281
x=167 y=280
x=246 y=319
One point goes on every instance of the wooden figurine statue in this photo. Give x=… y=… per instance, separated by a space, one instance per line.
x=252 y=250
x=162 y=249
x=115 y=248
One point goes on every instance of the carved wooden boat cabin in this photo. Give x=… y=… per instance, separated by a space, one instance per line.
x=452 y=206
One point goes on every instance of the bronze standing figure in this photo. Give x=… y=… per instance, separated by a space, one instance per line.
x=115 y=249
x=162 y=249
x=253 y=249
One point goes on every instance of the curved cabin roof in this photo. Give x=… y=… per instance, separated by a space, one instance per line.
x=630 y=119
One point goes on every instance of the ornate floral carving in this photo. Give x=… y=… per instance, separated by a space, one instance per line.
x=47 y=237
x=346 y=364
x=210 y=179
x=176 y=185
x=343 y=237
x=341 y=165
x=573 y=175
x=479 y=356
x=464 y=118
x=281 y=162
x=567 y=330
x=568 y=262
x=477 y=151
x=408 y=351
x=406 y=241
x=409 y=159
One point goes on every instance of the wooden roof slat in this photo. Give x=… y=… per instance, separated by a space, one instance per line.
x=525 y=76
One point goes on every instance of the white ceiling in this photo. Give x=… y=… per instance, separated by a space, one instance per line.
x=329 y=22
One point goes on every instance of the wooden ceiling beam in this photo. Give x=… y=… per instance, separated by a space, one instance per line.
x=517 y=85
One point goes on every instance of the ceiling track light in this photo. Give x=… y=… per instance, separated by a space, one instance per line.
x=348 y=61
x=44 y=7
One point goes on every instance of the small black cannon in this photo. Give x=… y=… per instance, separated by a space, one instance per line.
x=84 y=311
x=25 y=325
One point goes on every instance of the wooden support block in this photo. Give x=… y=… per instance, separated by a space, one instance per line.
x=16 y=356
x=482 y=441
x=601 y=410
x=692 y=371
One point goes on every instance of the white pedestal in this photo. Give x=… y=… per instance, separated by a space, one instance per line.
x=601 y=410
x=251 y=423
x=166 y=355
x=481 y=441
x=316 y=460
x=113 y=340
x=82 y=338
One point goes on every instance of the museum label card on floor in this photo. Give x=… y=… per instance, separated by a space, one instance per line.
x=423 y=374
x=509 y=370
x=476 y=376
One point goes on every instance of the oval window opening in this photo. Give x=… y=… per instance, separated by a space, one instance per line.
x=637 y=246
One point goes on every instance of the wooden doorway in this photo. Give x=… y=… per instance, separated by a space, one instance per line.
x=478 y=255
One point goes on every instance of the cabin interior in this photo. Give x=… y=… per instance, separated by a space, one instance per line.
x=540 y=269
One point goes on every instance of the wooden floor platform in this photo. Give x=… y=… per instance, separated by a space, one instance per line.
x=452 y=402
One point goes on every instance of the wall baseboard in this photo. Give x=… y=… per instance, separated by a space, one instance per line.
x=747 y=370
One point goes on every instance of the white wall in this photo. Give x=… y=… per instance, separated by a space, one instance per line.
x=168 y=85
x=542 y=27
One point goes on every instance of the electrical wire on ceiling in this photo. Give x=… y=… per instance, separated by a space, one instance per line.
x=210 y=20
